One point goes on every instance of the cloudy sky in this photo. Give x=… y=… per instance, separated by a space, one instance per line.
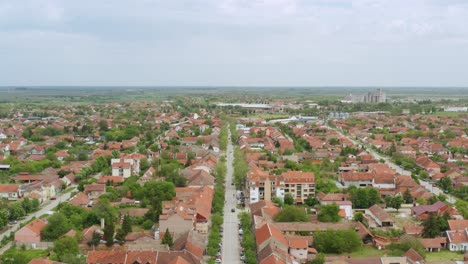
x=234 y=42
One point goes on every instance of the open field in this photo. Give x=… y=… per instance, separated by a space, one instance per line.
x=444 y=255
x=103 y=94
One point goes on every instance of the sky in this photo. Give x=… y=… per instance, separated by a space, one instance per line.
x=234 y=42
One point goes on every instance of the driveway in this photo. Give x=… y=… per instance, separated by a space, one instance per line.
x=231 y=246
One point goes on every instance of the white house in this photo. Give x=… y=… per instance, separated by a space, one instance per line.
x=458 y=240
x=9 y=191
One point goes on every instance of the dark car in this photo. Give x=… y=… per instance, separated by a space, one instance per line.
x=233 y=210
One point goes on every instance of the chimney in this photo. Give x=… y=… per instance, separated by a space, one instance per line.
x=102 y=223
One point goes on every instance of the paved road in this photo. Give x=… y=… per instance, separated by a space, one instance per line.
x=231 y=246
x=429 y=187
x=43 y=210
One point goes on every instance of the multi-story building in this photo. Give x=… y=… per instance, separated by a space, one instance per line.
x=371 y=97
x=262 y=186
x=127 y=165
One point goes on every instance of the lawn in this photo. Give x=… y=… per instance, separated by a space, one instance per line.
x=443 y=255
x=369 y=252
x=20 y=256
x=365 y=252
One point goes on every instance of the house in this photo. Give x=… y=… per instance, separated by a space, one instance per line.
x=457 y=235
x=359 y=179
x=421 y=212
x=177 y=217
x=458 y=224
x=10 y=191
x=80 y=199
x=113 y=180
x=380 y=217
x=433 y=244
x=298 y=247
x=457 y=240
x=30 y=233
x=430 y=166
x=106 y=257
x=407 y=151
x=269 y=234
x=413 y=256
x=94 y=190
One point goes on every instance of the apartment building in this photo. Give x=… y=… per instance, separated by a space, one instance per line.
x=262 y=186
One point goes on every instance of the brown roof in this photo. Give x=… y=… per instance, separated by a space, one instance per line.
x=298 y=176
x=433 y=242
x=269 y=230
x=413 y=255
x=457 y=224
x=95 y=187
x=146 y=257
x=79 y=199
x=36 y=226
x=380 y=213
x=100 y=257
x=9 y=188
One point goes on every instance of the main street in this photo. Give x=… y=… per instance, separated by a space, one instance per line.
x=44 y=210
x=427 y=185
x=231 y=246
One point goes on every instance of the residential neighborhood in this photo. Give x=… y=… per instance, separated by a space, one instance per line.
x=152 y=182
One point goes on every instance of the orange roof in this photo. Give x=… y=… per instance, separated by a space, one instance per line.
x=457 y=224
x=298 y=176
x=147 y=257
x=9 y=188
x=269 y=230
x=298 y=241
x=79 y=199
x=36 y=226
x=96 y=257
x=179 y=260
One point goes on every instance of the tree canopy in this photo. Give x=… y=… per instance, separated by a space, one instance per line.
x=291 y=214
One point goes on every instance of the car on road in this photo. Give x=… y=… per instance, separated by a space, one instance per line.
x=233 y=210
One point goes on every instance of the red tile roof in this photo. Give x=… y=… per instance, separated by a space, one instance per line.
x=9 y=188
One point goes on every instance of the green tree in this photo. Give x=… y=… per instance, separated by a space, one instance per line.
x=291 y=214
x=288 y=199
x=57 y=225
x=311 y=201
x=109 y=230
x=432 y=226
x=364 y=197
x=407 y=196
x=95 y=239
x=337 y=241
x=406 y=242
x=120 y=235
x=397 y=201
x=319 y=259
x=127 y=224
x=167 y=238
x=359 y=216
x=445 y=184
x=329 y=213
x=66 y=246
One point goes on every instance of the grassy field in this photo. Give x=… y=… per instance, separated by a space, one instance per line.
x=449 y=114
x=444 y=255
x=19 y=255
x=365 y=252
